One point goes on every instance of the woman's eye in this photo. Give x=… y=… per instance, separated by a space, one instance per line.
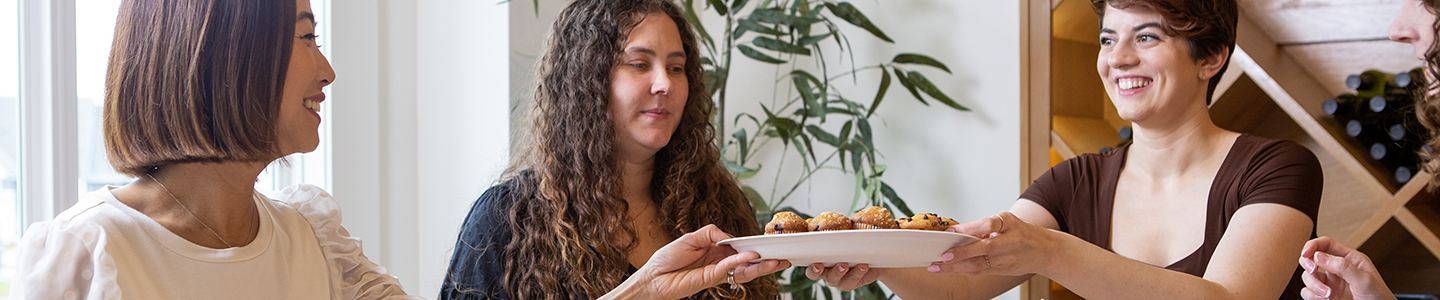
x=1106 y=41
x=1148 y=38
x=640 y=66
x=677 y=70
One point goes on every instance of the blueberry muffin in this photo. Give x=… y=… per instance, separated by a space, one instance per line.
x=927 y=221
x=874 y=217
x=830 y=221
x=786 y=222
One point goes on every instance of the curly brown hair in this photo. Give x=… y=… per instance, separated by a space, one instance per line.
x=1427 y=106
x=1208 y=26
x=571 y=235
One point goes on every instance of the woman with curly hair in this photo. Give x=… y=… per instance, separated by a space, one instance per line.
x=1336 y=271
x=621 y=161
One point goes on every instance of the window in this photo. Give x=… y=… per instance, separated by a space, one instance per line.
x=9 y=141
x=94 y=30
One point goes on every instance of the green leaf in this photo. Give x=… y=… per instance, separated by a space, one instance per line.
x=924 y=84
x=694 y=21
x=850 y=14
x=856 y=157
x=909 y=86
x=751 y=25
x=777 y=16
x=845 y=133
x=917 y=59
x=756 y=202
x=741 y=172
x=804 y=84
x=814 y=39
x=824 y=137
x=737 y=5
x=900 y=205
x=808 y=148
x=787 y=127
x=741 y=139
x=865 y=137
x=879 y=94
x=720 y=7
x=757 y=55
x=779 y=46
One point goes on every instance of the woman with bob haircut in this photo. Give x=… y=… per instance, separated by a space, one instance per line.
x=200 y=96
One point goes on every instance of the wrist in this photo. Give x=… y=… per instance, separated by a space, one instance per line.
x=1060 y=254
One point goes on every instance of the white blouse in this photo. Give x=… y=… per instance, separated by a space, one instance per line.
x=102 y=249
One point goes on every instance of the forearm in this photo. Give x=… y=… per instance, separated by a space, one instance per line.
x=633 y=288
x=1095 y=273
x=917 y=283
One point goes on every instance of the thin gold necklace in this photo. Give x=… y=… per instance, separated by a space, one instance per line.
x=187 y=209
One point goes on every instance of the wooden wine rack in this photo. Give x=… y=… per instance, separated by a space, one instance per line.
x=1268 y=92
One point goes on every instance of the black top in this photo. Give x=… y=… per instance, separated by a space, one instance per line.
x=476 y=269
x=1080 y=194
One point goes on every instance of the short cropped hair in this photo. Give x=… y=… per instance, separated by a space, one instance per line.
x=1208 y=25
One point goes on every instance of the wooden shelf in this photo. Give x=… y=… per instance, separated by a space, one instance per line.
x=1402 y=260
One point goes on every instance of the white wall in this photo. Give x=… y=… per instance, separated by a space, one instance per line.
x=957 y=164
x=420 y=125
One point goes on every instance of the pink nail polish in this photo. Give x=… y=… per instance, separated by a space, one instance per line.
x=933 y=269
x=947 y=257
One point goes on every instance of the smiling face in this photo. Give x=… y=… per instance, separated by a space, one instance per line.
x=1148 y=73
x=308 y=73
x=648 y=87
x=1415 y=26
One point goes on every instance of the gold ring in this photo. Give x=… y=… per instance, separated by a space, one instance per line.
x=1002 y=223
x=730 y=279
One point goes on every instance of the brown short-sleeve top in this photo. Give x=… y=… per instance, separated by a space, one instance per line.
x=1080 y=194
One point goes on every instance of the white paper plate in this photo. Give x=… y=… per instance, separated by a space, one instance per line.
x=880 y=248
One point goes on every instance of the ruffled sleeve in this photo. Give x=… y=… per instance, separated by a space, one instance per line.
x=61 y=261
x=352 y=274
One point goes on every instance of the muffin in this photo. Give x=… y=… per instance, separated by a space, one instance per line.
x=874 y=217
x=927 y=221
x=786 y=222
x=830 y=221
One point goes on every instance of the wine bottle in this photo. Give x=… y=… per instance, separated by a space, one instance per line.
x=1369 y=83
x=1366 y=131
x=1390 y=103
x=1344 y=106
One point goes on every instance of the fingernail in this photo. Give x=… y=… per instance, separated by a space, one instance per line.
x=841 y=267
x=933 y=269
x=812 y=269
x=863 y=269
x=947 y=257
x=1325 y=291
x=994 y=234
x=1321 y=258
x=1307 y=265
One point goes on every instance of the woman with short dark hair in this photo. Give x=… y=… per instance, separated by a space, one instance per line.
x=1188 y=210
x=200 y=96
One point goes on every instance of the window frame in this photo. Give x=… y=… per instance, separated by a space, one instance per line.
x=48 y=121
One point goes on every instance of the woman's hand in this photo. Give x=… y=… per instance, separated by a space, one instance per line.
x=1334 y=271
x=1007 y=246
x=693 y=263
x=843 y=276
